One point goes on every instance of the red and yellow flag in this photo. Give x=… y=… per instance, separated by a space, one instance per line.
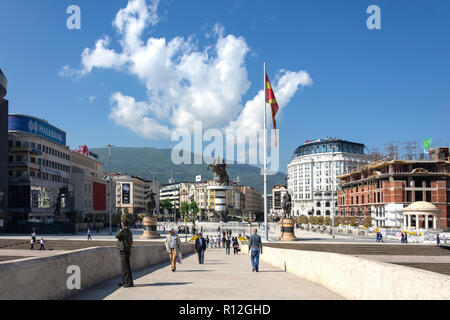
x=270 y=98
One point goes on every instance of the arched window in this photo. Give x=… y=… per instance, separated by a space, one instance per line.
x=327 y=204
x=318 y=204
x=318 y=212
x=327 y=212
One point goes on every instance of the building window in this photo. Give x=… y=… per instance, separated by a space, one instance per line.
x=327 y=204
x=318 y=204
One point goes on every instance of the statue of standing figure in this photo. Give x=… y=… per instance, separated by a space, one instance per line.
x=287 y=205
x=220 y=169
x=150 y=203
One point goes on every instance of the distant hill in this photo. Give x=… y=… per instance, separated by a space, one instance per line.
x=149 y=162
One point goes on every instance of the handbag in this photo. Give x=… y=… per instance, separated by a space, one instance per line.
x=180 y=258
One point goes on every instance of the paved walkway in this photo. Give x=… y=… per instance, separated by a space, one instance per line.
x=222 y=277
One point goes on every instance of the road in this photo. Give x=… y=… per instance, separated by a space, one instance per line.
x=222 y=277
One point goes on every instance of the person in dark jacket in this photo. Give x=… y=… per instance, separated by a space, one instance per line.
x=200 y=247
x=124 y=243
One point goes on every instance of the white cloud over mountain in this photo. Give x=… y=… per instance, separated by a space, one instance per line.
x=184 y=82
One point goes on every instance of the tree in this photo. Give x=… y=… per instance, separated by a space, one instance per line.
x=337 y=220
x=354 y=222
x=303 y=219
x=327 y=221
x=193 y=208
x=166 y=204
x=312 y=220
x=368 y=222
x=320 y=220
x=184 y=210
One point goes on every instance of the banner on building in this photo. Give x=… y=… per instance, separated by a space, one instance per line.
x=126 y=193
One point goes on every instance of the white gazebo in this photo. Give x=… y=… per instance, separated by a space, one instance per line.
x=420 y=211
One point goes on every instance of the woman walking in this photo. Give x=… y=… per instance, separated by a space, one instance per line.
x=173 y=247
x=235 y=246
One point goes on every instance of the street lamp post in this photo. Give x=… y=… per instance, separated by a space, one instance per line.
x=110 y=188
x=332 y=191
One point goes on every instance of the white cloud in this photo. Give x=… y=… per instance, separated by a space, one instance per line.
x=184 y=82
x=92 y=98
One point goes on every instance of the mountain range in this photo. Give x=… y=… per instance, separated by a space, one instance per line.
x=156 y=165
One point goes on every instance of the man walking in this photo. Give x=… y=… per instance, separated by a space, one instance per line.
x=173 y=247
x=89 y=234
x=255 y=247
x=227 y=245
x=124 y=242
x=200 y=247
x=42 y=244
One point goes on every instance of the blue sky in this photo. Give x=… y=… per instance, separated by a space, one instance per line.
x=369 y=86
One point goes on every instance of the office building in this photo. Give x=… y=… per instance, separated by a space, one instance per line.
x=383 y=188
x=39 y=171
x=313 y=170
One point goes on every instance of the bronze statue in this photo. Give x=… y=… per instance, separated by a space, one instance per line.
x=150 y=202
x=287 y=205
x=220 y=170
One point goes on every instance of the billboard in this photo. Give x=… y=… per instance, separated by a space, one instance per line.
x=99 y=196
x=36 y=126
x=198 y=178
x=126 y=193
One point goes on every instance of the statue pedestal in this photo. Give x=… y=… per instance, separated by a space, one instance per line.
x=287 y=229
x=150 y=231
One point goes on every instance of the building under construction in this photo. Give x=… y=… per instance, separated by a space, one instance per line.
x=383 y=188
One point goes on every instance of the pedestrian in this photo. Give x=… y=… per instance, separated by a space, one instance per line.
x=255 y=248
x=406 y=237
x=207 y=241
x=218 y=242
x=235 y=245
x=200 y=247
x=89 y=234
x=224 y=240
x=42 y=244
x=173 y=247
x=33 y=235
x=381 y=237
x=227 y=245
x=438 y=240
x=403 y=238
x=32 y=244
x=124 y=243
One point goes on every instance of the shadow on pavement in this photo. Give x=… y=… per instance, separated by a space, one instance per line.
x=106 y=288
x=161 y=284
x=193 y=271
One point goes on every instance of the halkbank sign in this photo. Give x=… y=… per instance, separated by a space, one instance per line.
x=36 y=126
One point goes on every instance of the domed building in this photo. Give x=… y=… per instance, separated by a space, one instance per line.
x=313 y=170
x=421 y=215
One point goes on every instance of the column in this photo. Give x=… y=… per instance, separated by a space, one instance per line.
x=417 y=222
x=434 y=221
x=409 y=221
x=404 y=221
x=426 y=222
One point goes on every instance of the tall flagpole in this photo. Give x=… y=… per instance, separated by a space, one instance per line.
x=266 y=225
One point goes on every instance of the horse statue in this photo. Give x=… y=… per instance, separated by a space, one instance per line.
x=220 y=170
x=287 y=205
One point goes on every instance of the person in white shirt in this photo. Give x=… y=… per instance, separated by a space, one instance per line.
x=32 y=244
x=173 y=247
x=42 y=244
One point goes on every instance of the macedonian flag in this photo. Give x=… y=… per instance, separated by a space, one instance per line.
x=270 y=98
